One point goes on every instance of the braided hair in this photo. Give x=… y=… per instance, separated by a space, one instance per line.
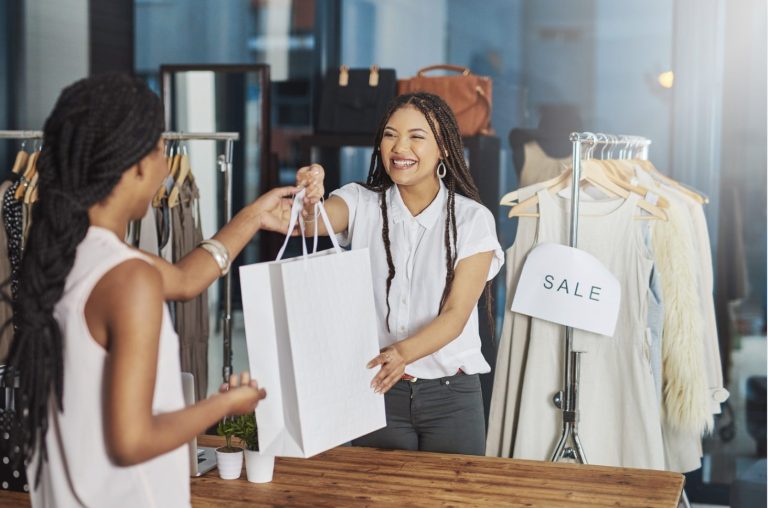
x=99 y=128
x=457 y=179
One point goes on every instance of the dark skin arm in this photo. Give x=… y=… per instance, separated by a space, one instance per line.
x=195 y=272
x=124 y=315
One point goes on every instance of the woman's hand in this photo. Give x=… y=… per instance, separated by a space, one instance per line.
x=311 y=178
x=243 y=392
x=392 y=369
x=273 y=208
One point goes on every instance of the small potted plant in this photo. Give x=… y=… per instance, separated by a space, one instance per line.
x=229 y=458
x=258 y=467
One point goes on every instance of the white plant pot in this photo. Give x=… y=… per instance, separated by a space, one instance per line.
x=258 y=467
x=230 y=464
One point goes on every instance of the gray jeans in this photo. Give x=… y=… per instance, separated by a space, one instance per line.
x=433 y=415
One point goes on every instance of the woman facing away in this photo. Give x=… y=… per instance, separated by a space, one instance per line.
x=434 y=251
x=100 y=403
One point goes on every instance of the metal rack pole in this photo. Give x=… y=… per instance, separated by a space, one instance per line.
x=226 y=166
x=21 y=134
x=566 y=400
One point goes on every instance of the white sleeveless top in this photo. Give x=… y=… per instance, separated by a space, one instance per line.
x=79 y=471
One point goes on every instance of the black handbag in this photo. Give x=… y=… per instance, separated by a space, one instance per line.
x=354 y=100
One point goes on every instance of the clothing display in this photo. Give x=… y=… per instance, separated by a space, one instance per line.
x=6 y=309
x=75 y=441
x=647 y=394
x=538 y=166
x=192 y=316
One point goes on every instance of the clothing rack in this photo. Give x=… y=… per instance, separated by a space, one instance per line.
x=21 y=134
x=568 y=399
x=225 y=165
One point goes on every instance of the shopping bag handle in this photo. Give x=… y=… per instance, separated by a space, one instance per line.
x=296 y=208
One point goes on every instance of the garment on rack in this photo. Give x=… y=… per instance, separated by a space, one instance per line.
x=192 y=318
x=13 y=221
x=6 y=309
x=539 y=166
x=614 y=370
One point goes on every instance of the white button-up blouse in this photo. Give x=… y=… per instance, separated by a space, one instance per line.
x=418 y=252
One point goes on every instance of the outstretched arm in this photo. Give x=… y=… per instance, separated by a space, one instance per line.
x=191 y=275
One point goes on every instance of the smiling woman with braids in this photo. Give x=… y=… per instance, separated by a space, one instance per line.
x=100 y=403
x=433 y=250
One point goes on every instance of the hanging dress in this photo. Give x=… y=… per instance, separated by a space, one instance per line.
x=619 y=414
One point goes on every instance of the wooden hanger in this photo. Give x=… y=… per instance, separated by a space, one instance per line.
x=26 y=178
x=182 y=175
x=511 y=198
x=622 y=176
x=30 y=195
x=21 y=160
x=592 y=174
x=173 y=163
x=684 y=189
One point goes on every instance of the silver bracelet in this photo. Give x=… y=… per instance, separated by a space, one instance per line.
x=219 y=253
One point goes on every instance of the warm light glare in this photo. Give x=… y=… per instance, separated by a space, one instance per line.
x=667 y=79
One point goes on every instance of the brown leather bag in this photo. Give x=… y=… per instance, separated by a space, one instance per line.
x=468 y=95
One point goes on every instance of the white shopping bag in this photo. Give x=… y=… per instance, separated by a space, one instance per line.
x=310 y=327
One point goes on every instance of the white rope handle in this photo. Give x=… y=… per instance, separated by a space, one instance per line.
x=296 y=208
x=296 y=217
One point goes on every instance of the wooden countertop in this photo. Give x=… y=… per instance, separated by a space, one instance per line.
x=347 y=476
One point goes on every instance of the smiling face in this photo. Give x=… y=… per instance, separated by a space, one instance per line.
x=409 y=150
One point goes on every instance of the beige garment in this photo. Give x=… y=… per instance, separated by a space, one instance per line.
x=620 y=421
x=513 y=346
x=6 y=308
x=539 y=166
x=191 y=316
x=717 y=393
x=693 y=377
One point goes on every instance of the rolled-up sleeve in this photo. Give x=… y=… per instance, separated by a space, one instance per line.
x=350 y=193
x=478 y=234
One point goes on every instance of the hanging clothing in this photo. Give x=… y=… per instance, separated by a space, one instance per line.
x=6 y=308
x=13 y=221
x=614 y=370
x=79 y=471
x=539 y=166
x=192 y=318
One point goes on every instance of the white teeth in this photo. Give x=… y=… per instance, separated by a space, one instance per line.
x=402 y=163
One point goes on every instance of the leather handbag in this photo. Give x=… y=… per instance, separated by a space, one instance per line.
x=354 y=100
x=468 y=95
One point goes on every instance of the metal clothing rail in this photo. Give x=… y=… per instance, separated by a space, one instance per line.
x=225 y=165
x=21 y=134
x=568 y=399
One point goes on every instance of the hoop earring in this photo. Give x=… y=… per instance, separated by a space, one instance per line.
x=441 y=170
